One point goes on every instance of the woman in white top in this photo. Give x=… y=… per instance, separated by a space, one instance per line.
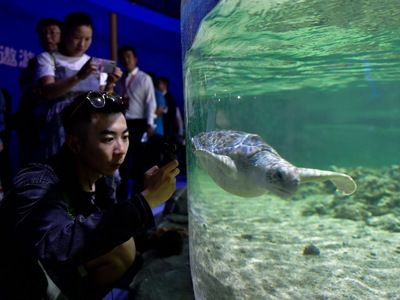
x=66 y=73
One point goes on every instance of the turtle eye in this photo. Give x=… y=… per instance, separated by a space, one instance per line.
x=278 y=175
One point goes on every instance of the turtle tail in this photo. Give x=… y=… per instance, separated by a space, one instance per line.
x=343 y=182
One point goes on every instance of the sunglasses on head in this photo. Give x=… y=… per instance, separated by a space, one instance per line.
x=98 y=100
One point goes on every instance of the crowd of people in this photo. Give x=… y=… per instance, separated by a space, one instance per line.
x=64 y=70
x=91 y=145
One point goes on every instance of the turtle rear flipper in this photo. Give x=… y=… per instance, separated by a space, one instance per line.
x=343 y=182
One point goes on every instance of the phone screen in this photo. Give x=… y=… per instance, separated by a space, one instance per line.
x=104 y=65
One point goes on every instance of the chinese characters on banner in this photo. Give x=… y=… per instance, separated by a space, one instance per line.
x=12 y=57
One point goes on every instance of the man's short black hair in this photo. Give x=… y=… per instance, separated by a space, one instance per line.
x=124 y=49
x=163 y=79
x=79 y=113
x=47 y=22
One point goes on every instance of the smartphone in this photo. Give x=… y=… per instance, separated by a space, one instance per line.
x=168 y=153
x=104 y=65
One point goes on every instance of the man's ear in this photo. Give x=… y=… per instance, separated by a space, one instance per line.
x=73 y=143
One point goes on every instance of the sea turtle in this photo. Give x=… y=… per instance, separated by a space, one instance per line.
x=243 y=164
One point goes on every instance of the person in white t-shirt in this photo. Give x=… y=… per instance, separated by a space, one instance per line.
x=30 y=115
x=68 y=72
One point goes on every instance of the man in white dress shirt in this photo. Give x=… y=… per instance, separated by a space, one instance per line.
x=137 y=88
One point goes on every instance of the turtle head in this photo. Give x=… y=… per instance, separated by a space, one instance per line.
x=283 y=181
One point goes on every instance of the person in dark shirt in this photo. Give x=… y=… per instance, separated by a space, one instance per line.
x=30 y=117
x=61 y=222
x=173 y=123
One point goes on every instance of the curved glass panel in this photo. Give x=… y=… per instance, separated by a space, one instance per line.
x=318 y=82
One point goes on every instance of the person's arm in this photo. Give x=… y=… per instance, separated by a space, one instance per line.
x=45 y=225
x=112 y=80
x=52 y=88
x=160 y=183
x=150 y=102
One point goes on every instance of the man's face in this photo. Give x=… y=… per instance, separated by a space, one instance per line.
x=78 y=40
x=162 y=86
x=106 y=144
x=50 y=37
x=129 y=60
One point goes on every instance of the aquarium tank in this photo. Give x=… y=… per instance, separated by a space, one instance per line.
x=287 y=87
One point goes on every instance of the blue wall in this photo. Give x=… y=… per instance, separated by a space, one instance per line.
x=156 y=37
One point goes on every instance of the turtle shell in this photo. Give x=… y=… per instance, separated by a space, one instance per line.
x=231 y=143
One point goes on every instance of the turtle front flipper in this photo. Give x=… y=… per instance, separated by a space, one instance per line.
x=343 y=182
x=217 y=165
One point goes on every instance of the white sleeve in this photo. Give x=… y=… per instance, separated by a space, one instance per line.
x=45 y=65
x=103 y=79
x=151 y=102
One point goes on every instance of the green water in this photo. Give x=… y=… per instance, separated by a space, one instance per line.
x=318 y=81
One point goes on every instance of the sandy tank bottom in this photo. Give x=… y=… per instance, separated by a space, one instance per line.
x=253 y=248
